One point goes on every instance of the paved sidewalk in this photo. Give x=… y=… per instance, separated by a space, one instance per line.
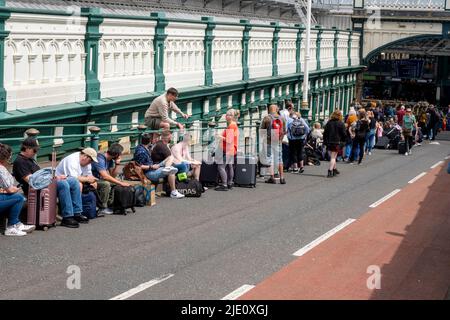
x=408 y=237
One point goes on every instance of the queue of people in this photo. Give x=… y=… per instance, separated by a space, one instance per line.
x=285 y=136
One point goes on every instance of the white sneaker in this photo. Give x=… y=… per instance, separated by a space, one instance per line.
x=170 y=170
x=406 y=153
x=106 y=211
x=370 y=153
x=25 y=227
x=14 y=231
x=176 y=195
x=419 y=144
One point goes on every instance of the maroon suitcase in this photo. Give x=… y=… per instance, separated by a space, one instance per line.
x=42 y=204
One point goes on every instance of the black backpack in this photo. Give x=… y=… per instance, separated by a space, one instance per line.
x=124 y=198
x=190 y=188
x=298 y=128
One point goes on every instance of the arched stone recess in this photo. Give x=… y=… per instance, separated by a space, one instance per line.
x=126 y=57
x=41 y=68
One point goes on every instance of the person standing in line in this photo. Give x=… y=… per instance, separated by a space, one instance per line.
x=275 y=130
x=334 y=137
x=370 y=137
x=362 y=128
x=409 y=124
x=297 y=131
x=228 y=146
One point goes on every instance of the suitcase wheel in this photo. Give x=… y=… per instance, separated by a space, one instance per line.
x=45 y=228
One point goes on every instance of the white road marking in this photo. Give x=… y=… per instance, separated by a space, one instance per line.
x=417 y=178
x=436 y=164
x=447 y=157
x=322 y=238
x=393 y=193
x=238 y=292
x=434 y=142
x=141 y=288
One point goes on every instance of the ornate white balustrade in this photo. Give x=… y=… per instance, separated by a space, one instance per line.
x=45 y=55
x=287 y=49
x=327 y=50
x=260 y=52
x=44 y=60
x=126 y=56
x=227 y=53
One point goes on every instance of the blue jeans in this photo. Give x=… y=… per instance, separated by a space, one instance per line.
x=182 y=167
x=11 y=203
x=348 y=150
x=69 y=195
x=370 y=140
x=155 y=175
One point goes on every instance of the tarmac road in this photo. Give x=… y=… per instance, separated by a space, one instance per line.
x=207 y=247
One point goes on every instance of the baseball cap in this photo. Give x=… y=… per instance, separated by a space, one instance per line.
x=90 y=153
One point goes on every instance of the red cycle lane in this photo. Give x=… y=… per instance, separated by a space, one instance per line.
x=406 y=239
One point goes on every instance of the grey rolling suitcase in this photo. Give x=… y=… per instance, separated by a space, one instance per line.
x=245 y=171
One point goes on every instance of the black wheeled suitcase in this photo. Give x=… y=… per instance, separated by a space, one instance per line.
x=209 y=174
x=245 y=171
x=382 y=143
x=402 y=147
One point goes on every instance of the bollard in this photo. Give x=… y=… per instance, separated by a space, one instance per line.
x=95 y=138
x=32 y=133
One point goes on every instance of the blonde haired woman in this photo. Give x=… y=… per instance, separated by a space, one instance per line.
x=334 y=136
x=228 y=147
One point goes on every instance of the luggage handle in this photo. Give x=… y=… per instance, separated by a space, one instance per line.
x=54 y=160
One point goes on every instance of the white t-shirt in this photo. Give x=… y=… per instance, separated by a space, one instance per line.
x=70 y=166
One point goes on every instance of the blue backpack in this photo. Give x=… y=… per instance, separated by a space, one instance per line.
x=89 y=201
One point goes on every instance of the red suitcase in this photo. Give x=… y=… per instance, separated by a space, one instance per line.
x=42 y=204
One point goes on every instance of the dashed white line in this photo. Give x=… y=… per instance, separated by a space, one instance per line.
x=390 y=195
x=238 y=292
x=417 y=178
x=436 y=164
x=322 y=238
x=141 y=288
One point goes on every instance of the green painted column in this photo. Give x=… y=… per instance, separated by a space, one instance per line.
x=91 y=45
x=245 y=41
x=275 y=40
x=332 y=102
x=335 y=48
x=349 y=48
x=318 y=42
x=4 y=15
x=314 y=106
x=298 y=44
x=208 y=45
x=345 y=107
x=158 y=47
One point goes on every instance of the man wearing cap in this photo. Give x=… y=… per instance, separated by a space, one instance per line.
x=68 y=188
x=78 y=165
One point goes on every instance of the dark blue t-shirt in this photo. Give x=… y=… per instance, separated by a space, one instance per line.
x=102 y=164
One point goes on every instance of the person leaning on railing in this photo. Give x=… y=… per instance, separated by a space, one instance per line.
x=11 y=201
x=157 y=115
x=106 y=170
